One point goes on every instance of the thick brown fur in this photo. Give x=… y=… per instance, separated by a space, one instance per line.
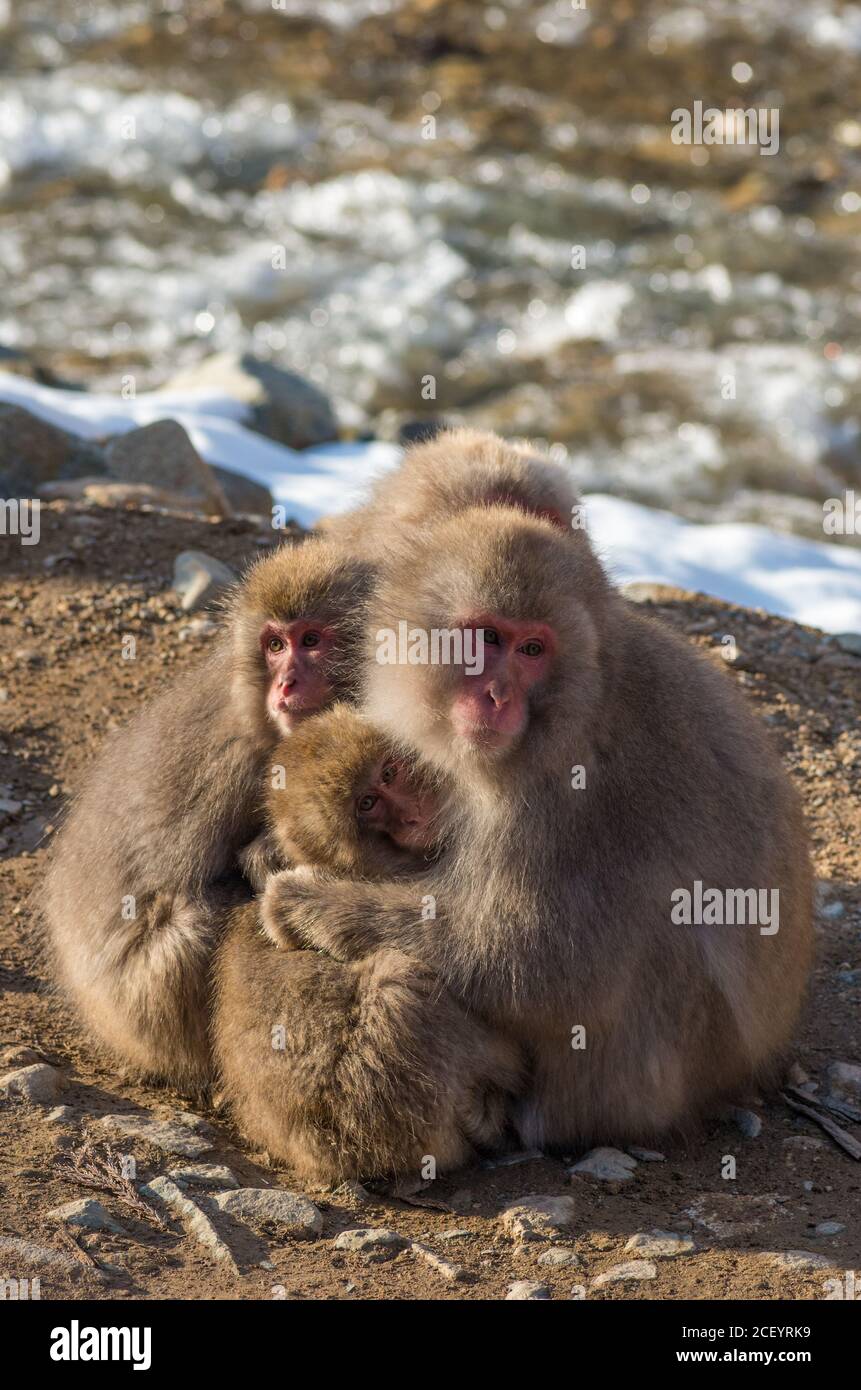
x=156 y=828
x=310 y=806
x=554 y=903
x=457 y=469
x=348 y=1070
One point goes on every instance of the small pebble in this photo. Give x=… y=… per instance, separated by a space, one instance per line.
x=830 y=1228
x=375 y=1242
x=527 y=1290
x=632 y=1269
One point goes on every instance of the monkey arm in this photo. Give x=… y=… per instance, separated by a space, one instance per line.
x=346 y=918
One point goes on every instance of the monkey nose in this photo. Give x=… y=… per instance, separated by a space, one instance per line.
x=498 y=694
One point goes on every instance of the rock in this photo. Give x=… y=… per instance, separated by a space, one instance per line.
x=89 y=1214
x=243 y=494
x=172 y=1136
x=162 y=456
x=527 y=1291
x=745 y=1121
x=829 y=1228
x=606 y=1165
x=660 y=1245
x=453 y=1273
x=561 y=1255
x=204 y=1175
x=198 y=578
x=40 y=1084
x=10 y=808
x=537 y=1217
x=844 y=1081
x=283 y=405
x=61 y=1115
x=12 y=359
x=18 y=1256
x=33 y=453
x=196 y=1221
x=375 y=1243
x=647 y=1155
x=293 y=1214
x=849 y=642
x=19 y=1056
x=797 y=1260
x=632 y=1269
x=456 y=1233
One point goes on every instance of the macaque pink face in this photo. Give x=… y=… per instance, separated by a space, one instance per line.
x=297 y=658
x=491 y=710
x=391 y=804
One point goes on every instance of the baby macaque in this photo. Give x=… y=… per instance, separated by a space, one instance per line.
x=351 y=1070
x=342 y=801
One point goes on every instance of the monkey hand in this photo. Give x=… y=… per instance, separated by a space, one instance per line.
x=260 y=859
x=345 y=918
x=284 y=906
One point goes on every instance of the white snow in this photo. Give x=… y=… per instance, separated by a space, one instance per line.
x=813 y=582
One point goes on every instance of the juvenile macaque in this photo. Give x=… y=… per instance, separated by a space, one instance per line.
x=144 y=866
x=342 y=800
x=599 y=766
x=352 y=1070
x=455 y=470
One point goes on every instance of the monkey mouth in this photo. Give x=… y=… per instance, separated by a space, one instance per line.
x=286 y=711
x=485 y=740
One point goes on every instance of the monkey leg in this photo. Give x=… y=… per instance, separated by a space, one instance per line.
x=357 y=1070
x=142 y=986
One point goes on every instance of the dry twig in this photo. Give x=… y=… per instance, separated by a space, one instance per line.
x=101 y=1168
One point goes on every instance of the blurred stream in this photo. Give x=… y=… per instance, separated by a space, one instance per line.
x=373 y=192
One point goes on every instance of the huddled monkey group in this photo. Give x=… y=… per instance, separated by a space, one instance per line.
x=409 y=909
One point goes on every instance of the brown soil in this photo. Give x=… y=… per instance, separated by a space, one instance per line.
x=64 y=606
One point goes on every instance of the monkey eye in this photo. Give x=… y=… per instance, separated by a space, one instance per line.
x=490 y=637
x=389 y=773
x=533 y=648
x=274 y=645
x=311 y=639
x=366 y=803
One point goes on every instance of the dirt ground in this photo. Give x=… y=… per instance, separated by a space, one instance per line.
x=65 y=604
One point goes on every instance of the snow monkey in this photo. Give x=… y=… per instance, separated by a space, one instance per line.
x=138 y=885
x=456 y=469
x=600 y=768
x=342 y=799
x=365 y=1069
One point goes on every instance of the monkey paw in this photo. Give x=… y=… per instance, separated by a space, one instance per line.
x=283 y=905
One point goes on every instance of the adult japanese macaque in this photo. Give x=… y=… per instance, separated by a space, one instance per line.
x=457 y=469
x=141 y=876
x=601 y=769
x=352 y=1070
